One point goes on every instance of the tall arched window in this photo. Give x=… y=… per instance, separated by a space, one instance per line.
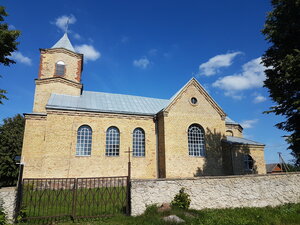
x=248 y=163
x=138 y=148
x=84 y=141
x=196 y=140
x=60 y=68
x=112 y=141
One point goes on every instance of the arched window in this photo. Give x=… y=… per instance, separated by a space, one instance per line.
x=60 y=68
x=229 y=133
x=138 y=148
x=112 y=141
x=196 y=140
x=84 y=141
x=248 y=163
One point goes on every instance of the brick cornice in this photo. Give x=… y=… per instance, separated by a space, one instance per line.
x=58 y=79
x=35 y=116
x=61 y=50
x=97 y=114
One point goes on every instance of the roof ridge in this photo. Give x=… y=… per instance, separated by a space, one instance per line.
x=126 y=95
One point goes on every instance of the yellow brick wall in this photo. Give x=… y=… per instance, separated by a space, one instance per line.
x=235 y=129
x=50 y=57
x=44 y=89
x=235 y=158
x=33 y=151
x=180 y=116
x=58 y=151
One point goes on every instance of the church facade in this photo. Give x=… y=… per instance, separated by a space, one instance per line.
x=77 y=133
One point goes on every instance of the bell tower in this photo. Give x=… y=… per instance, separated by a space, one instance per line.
x=59 y=73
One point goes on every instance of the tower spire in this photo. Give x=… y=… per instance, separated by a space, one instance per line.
x=64 y=42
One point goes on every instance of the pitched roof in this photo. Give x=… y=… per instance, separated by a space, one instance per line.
x=64 y=42
x=111 y=103
x=228 y=120
x=271 y=166
x=107 y=102
x=202 y=90
x=238 y=140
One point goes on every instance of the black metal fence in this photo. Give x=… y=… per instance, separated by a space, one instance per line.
x=57 y=198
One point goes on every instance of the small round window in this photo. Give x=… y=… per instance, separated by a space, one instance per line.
x=194 y=100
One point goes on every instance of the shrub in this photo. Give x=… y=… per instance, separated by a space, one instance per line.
x=181 y=200
x=2 y=215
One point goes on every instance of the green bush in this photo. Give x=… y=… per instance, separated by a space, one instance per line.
x=181 y=200
x=2 y=216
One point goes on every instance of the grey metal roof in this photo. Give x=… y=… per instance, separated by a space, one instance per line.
x=230 y=121
x=238 y=140
x=64 y=42
x=107 y=102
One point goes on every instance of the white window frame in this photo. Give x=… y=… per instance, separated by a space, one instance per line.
x=112 y=145
x=84 y=141
x=138 y=142
x=196 y=140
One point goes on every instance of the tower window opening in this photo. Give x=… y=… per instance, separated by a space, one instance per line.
x=60 y=68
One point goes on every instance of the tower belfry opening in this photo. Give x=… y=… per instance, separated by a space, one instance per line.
x=59 y=73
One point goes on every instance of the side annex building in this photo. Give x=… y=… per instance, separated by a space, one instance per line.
x=77 y=133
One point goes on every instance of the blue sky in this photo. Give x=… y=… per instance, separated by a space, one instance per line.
x=152 y=48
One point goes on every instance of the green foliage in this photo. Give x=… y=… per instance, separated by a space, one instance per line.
x=282 y=30
x=22 y=215
x=8 y=45
x=2 y=215
x=181 y=200
x=293 y=168
x=288 y=214
x=7 y=39
x=11 y=139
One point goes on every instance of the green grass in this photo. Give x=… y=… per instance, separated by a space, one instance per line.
x=282 y=215
x=87 y=202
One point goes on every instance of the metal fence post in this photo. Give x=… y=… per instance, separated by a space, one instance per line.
x=128 y=205
x=19 y=193
x=74 y=199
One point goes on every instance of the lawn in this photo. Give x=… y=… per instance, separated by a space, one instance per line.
x=88 y=202
x=281 y=215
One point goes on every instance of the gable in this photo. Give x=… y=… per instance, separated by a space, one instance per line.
x=182 y=101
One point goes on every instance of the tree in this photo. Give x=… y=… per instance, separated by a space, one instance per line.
x=11 y=140
x=8 y=45
x=282 y=59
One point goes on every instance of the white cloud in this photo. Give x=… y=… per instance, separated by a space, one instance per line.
x=259 y=99
x=89 y=52
x=141 y=63
x=153 y=52
x=77 y=36
x=19 y=57
x=248 y=123
x=252 y=76
x=61 y=22
x=212 y=66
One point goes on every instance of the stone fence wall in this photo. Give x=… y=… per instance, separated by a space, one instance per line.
x=218 y=192
x=7 y=201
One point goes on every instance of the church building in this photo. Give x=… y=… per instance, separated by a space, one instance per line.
x=74 y=133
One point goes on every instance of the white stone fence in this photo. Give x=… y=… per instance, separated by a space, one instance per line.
x=218 y=192
x=7 y=201
x=205 y=192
